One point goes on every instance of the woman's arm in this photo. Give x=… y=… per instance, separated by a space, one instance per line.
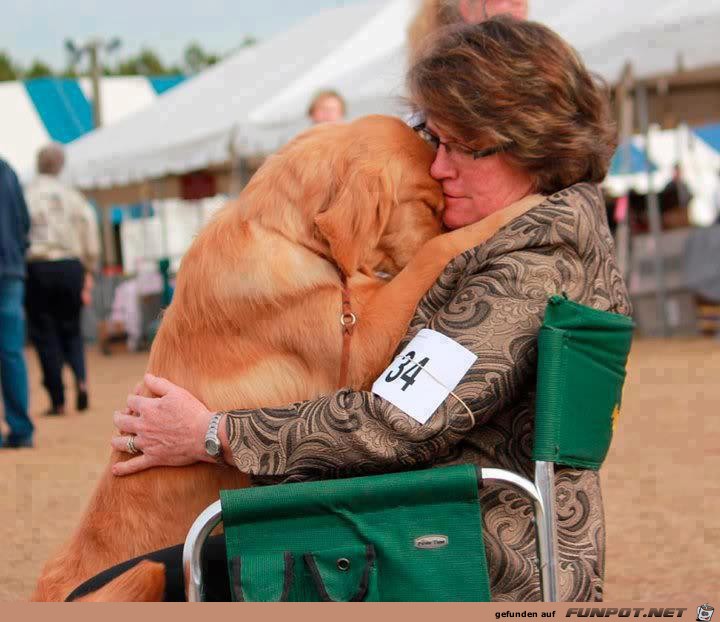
x=496 y=315
x=159 y=420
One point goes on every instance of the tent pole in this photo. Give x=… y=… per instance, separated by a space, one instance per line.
x=146 y=211
x=237 y=166
x=653 y=207
x=106 y=235
x=625 y=118
x=163 y=217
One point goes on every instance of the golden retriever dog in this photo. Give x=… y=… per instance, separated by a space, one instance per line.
x=255 y=320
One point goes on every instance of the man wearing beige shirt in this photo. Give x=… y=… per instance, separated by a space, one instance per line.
x=63 y=253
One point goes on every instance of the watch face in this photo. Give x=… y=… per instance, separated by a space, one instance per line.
x=212 y=447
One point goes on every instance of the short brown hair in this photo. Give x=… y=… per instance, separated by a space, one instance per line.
x=326 y=94
x=50 y=159
x=505 y=81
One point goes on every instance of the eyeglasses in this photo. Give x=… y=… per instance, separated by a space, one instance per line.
x=458 y=148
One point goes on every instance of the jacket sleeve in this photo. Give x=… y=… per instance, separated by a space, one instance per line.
x=496 y=314
x=24 y=214
x=89 y=236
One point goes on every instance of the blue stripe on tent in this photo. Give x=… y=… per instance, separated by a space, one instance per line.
x=637 y=163
x=134 y=211
x=710 y=134
x=165 y=83
x=62 y=106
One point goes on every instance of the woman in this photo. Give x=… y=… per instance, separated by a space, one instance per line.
x=515 y=118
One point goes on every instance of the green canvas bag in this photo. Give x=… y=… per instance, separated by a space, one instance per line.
x=414 y=536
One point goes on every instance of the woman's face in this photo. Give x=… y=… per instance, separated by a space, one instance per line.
x=474 y=189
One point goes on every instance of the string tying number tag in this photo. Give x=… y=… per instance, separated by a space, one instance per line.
x=420 y=367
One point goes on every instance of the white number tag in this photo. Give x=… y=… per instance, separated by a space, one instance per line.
x=424 y=374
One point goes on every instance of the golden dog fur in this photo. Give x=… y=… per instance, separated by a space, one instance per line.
x=255 y=319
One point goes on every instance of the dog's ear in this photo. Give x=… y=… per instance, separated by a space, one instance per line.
x=354 y=220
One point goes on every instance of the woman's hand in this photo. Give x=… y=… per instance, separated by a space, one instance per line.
x=169 y=429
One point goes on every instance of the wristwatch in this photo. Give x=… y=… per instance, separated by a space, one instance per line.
x=213 y=448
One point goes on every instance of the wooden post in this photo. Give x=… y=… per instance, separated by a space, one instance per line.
x=655 y=217
x=107 y=236
x=624 y=102
x=238 y=170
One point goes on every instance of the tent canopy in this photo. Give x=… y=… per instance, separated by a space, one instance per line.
x=629 y=159
x=255 y=100
x=35 y=112
x=194 y=126
x=710 y=134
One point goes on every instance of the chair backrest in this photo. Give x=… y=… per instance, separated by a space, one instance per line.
x=385 y=536
x=582 y=354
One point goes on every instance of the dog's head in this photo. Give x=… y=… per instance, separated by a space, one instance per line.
x=360 y=192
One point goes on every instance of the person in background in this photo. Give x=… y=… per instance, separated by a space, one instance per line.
x=436 y=14
x=327 y=107
x=14 y=228
x=675 y=201
x=63 y=253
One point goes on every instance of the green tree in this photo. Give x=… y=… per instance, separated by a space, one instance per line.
x=69 y=72
x=8 y=70
x=38 y=70
x=197 y=59
x=128 y=67
x=248 y=41
x=150 y=63
x=146 y=63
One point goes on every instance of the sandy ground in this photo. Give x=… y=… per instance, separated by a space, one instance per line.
x=661 y=484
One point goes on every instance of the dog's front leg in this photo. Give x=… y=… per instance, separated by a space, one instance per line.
x=387 y=313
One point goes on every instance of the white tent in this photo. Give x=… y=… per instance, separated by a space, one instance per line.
x=194 y=126
x=589 y=24
x=692 y=42
x=254 y=101
x=35 y=112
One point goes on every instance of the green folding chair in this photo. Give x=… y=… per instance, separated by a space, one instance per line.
x=417 y=536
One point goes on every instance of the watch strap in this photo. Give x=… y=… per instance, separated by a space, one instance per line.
x=212 y=434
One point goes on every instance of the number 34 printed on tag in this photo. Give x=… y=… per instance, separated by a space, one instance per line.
x=424 y=374
x=407 y=370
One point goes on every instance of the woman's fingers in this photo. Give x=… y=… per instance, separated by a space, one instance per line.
x=127 y=424
x=140 y=404
x=159 y=386
x=134 y=465
x=120 y=443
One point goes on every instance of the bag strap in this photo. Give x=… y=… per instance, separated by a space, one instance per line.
x=267 y=575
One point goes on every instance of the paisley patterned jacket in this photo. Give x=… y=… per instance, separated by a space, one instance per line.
x=491 y=300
